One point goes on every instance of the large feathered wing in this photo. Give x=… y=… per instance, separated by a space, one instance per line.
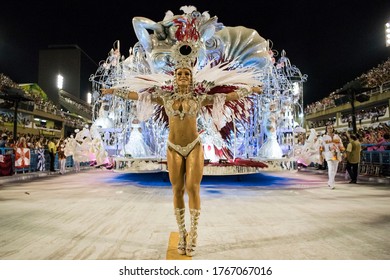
x=139 y=83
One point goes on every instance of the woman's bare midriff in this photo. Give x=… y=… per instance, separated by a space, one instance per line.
x=182 y=132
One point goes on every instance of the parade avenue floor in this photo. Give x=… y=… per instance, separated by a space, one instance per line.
x=98 y=214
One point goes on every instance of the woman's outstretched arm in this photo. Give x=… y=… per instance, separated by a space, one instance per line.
x=234 y=95
x=123 y=93
x=242 y=92
x=128 y=94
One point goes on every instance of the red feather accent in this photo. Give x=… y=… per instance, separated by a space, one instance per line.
x=186 y=30
x=222 y=89
x=160 y=116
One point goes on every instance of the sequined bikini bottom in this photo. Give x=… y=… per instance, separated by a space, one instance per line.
x=184 y=151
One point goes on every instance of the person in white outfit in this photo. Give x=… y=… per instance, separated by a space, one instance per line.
x=331 y=149
x=136 y=146
x=271 y=148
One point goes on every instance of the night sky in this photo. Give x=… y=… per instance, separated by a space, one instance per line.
x=332 y=42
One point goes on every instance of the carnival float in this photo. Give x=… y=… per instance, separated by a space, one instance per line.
x=246 y=136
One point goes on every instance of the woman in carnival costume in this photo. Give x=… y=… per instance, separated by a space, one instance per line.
x=182 y=97
x=136 y=146
x=270 y=149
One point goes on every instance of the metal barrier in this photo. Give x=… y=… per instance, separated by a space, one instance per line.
x=7 y=155
x=372 y=163
x=375 y=163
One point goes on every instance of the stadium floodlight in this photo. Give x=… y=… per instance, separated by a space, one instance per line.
x=60 y=81
x=89 y=98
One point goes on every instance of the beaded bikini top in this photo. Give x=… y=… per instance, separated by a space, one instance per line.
x=181 y=105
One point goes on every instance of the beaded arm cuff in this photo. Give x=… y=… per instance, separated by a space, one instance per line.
x=243 y=92
x=121 y=92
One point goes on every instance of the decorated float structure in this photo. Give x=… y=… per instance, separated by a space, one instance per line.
x=239 y=137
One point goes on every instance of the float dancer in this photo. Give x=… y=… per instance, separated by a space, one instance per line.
x=136 y=146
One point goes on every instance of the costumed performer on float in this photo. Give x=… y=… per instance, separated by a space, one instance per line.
x=271 y=148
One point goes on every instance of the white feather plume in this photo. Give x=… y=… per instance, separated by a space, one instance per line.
x=206 y=16
x=140 y=82
x=222 y=75
x=188 y=9
x=168 y=15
